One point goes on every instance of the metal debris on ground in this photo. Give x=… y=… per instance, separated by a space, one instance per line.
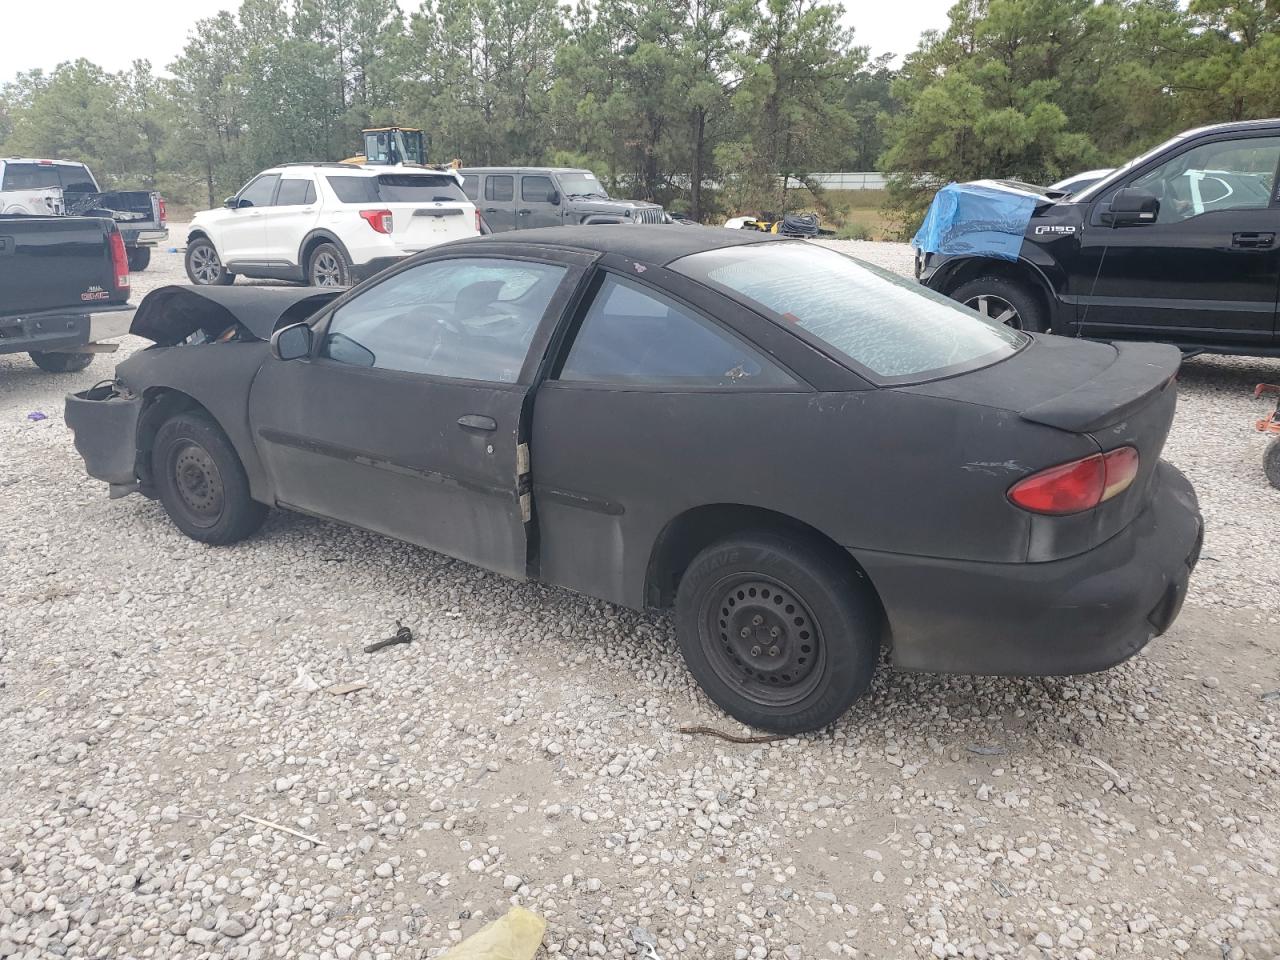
x=516 y=935
x=402 y=635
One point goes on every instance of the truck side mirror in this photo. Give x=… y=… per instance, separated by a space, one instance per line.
x=553 y=198
x=1131 y=208
x=292 y=342
x=231 y=203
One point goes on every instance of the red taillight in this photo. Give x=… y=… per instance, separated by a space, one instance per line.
x=164 y=216
x=380 y=220
x=119 y=262
x=1079 y=485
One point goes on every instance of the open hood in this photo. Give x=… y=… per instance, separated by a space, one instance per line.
x=169 y=315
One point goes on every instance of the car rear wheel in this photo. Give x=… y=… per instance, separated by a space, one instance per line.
x=328 y=267
x=781 y=633
x=139 y=258
x=204 y=267
x=1004 y=301
x=201 y=481
x=60 y=362
x=1271 y=463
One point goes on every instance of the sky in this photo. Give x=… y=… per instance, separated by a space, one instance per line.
x=155 y=30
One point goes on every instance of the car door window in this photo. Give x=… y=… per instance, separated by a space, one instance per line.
x=260 y=191
x=295 y=193
x=1224 y=175
x=536 y=189
x=499 y=187
x=634 y=335
x=469 y=318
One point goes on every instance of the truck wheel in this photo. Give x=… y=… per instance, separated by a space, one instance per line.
x=139 y=258
x=204 y=268
x=60 y=362
x=1004 y=301
x=1271 y=463
x=202 y=482
x=782 y=633
x=328 y=267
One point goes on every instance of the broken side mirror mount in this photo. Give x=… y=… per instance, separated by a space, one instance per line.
x=1132 y=208
x=292 y=342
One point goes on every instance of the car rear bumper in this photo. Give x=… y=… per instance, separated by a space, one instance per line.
x=57 y=331
x=1077 y=615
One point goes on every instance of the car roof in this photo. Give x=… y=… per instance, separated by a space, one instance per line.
x=651 y=243
x=521 y=169
x=43 y=162
x=1236 y=126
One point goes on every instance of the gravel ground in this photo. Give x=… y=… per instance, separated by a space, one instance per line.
x=155 y=693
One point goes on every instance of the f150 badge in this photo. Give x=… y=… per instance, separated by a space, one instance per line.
x=1062 y=228
x=95 y=293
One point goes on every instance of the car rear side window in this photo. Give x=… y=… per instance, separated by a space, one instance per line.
x=634 y=335
x=294 y=193
x=469 y=318
x=397 y=188
x=30 y=176
x=471 y=186
x=499 y=187
x=887 y=326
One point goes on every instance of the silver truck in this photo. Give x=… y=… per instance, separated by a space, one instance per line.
x=66 y=188
x=521 y=198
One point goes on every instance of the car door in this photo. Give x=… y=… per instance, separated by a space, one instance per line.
x=1207 y=268
x=499 y=205
x=539 y=202
x=647 y=380
x=242 y=236
x=407 y=417
x=288 y=220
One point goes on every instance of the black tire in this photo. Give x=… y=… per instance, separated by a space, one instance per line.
x=60 y=362
x=204 y=266
x=1271 y=463
x=202 y=482
x=328 y=267
x=992 y=295
x=139 y=259
x=816 y=611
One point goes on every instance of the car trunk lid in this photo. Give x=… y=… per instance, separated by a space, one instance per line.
x=417 y=226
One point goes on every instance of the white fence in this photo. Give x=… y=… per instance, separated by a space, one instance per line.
x=865 y=180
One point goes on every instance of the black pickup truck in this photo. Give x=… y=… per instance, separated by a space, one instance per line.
x=64 y=288
x=1179 y=245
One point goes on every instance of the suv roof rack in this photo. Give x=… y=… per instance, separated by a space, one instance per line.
x=320 y=163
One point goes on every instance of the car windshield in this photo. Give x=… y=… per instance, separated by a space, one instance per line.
x=398 y=188
x=581 y=185
x=894 y=329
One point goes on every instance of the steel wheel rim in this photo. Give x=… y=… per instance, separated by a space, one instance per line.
x=205 y=265
x=198 y=482
x=996 y=309
x=327 y=271
x=762 y=640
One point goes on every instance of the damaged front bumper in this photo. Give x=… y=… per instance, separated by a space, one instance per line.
x=104 y=420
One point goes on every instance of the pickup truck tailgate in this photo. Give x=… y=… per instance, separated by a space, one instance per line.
x=64 y=264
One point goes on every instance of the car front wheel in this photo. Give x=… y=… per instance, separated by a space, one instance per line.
x=202 y=482
x=1004 y=301
x=204 y=267
x=782 y=633
x=328 y=267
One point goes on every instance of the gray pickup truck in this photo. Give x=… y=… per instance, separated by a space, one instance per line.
x=521 y=198
x=64 y=289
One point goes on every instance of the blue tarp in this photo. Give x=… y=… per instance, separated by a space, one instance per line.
x=976 y=218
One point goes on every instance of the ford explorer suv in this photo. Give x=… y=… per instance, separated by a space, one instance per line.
x=1180 y=245
x=521 y=198
x=327 y=224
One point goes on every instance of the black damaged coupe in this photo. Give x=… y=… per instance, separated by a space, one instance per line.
x=807 y=458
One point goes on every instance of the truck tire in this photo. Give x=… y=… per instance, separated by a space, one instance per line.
x=328 y=267
x=204 y=267
x=139 y=258
x=60 y=362
x=201 y=481
x=1004 y=301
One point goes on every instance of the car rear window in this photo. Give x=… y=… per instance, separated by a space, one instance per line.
x=397 y=188
x=893 y=329
x=72 y=177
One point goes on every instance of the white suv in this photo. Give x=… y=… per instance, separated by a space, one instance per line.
x=328 y=224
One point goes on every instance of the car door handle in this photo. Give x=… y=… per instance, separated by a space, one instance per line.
x=524 y=212
x=1253 y=240
x=476 y=421
x=490 y=209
